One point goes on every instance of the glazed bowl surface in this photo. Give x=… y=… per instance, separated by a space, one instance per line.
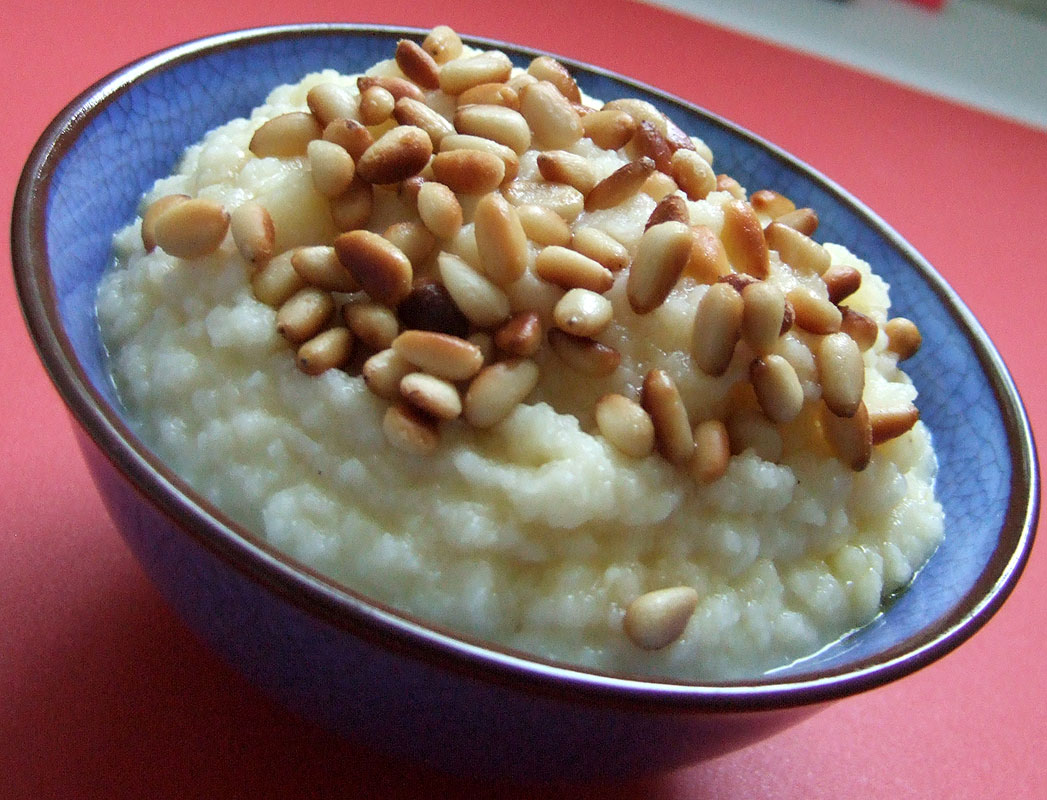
x=365 y=670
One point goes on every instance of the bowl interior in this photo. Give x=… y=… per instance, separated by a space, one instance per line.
x=134 y=133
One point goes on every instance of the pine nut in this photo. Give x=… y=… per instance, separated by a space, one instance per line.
x=679 y=140
x=717 y=327
x=490 y=94
x=707 y=261
x=481 y=301
x=778 y=389
x=318 y=266
x=417 y=64
x=609 y=128
x=842 y=281
x=584 y=355
x=712 y=451
x=410 y=431
x=850 y=438
x=485 y=342
x=771 y=203
x=672 y=430
x=670 y=209
x=737 y=280
x=559 y=166
x=582 y=313
x=286 y=135
x=430 y=307
x=439 y=354
x=657 y=619
x=800 y=252
x=304 y=315
x=625 y=424
x=859 y=327
x=500 y=239
x=601 y=247
x=330 y=101
x=640 y=111
x=549 y=69
x=372 y=323
x=469 y=171
x=253 y=232
x=497 y=390
x=693 y=174
x=659 y=261
x=497 y=123
x=569 y=269
x=381 y=268
x=398 y=154
x=414 y=239
x=328 y=350
x=439 y=209
x=383 y=372
x=762 y=316
x=903 y=337
x=891 y=423
x=619 y=186
x=658 y=186
x=725 y=183
x=191 y=229
x=749 y=429
x=814 y=314
x=349 y=134
x=276 y=280
x=442 y=44
x=462 y=141
x=648 y=142
x=804 y=220
x=412 y=112
x=431 y=395
x=331 y=167
x=352 y=209
x=397 y=87
x=555 y=123
x=559 y=197
x=544 y=227
x=841 y=372
x=376 y=105
x=743 y=239
x=491 y=66
x=520 y=336
x=155 y=209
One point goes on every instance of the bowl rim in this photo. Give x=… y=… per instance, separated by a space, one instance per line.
x=381 y=624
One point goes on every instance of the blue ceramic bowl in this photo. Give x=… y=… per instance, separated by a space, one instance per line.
x=386 y=678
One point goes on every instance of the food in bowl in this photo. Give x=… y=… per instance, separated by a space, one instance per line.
x=522 y=364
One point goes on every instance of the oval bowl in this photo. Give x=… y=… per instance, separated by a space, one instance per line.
x=383 y=677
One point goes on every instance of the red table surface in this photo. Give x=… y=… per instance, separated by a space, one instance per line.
x=103 y=693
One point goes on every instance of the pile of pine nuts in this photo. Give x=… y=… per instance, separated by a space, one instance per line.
x=433 y=332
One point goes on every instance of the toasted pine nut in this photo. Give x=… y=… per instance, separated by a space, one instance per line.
x=903 y=337
x=440 y=354
x=725 y=183
x=717 y=327
x=520 y=336
x=304 y=315
x=383 y=372
x=559 y=166
x=327 y=350
x=398 y=154
x=155 y=209
x=331 y=167
x=582 y=312
x=253 y=232
x=650 y=143
x=351 y=135
x=762 y=316
x=500 y=239
x=625 y=424
x=814 y=314
x=842 y=281
x=414 y=239
x=769 y=202
x=670 y=209
x=330 y=101
x=491 y=94
x=439 y=209
x=777 y=386
x=749 y=429
x=442 y=44
x=555 y=123
x=379 y=266
x=430 y=307
x=497 y=123
x=584 y=355
x=497 y=390
x=480 y=300
x=276 y=280
x=601 y=247
x=544 y=226
x=620 y=185
x=609 y=128
x=891 y=423
x=412 y=112
x=410 y=431
x=286 y=135
x=797 y=250
x=318 y=266
x=659 y=261
x=469 y=171
x=371 y=323
x=693 y=174
x=737 y=280
x=352 y=209
x=712 y=451
x=490 y=66
x=743 y=239
x=640 y=111
x=417 y=64
x=559 y=197
x=191 y=229
x=804 y=220
x=707 y=262
x=679 y=140
x=462 y=141
x=658 y=186
x=841 y=373
x=376 y=105
x=657 y=619
x=672 y=430
x=397 y=87
x=849 y=437
x=431 y=395
x=549 y=69
x=569 y=269
x=859 y=327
